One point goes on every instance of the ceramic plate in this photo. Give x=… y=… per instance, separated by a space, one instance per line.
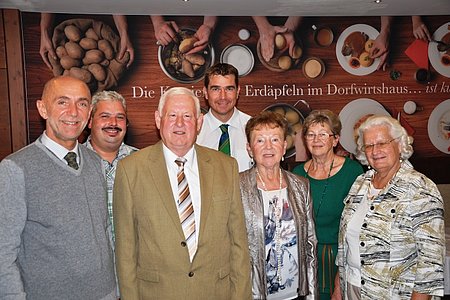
x=433 y=53
x=439 y=126
x=351 y=114
x=344 y=60
x=240 y=56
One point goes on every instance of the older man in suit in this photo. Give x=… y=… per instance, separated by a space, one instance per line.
x=180 y=231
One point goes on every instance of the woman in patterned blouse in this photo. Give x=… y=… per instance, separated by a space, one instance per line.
x=391 y=237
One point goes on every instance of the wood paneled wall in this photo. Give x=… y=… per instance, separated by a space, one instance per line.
x=13 y=121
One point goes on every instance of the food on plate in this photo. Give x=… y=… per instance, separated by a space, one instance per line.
x=292 y=116
x=365 y=60
x=444 y=125
x=279 y=110
x=187 y=44
x=354 y=44
x=177 y=63
x=445 y=45
x=280 y=41
x=445 y=59
x=368 y=45
x=354 y=62
x=312 y=68
x=284 y=62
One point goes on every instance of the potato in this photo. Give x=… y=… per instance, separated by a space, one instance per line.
x=68 y=62
x=279 y=110
x=98 y=72
x=195 y=59
x=187 y=44
x=368 y=45
x=280 y=41
x=81 y=74
x=297 y=128
x=187 y=69
x=365 y=60
x=106 y=47
x=292 y=116
x=73 y=33
x=88 y=43
x=298 y=51
x=90 y=33
x=61 y=51
x=284 y=62
x=196 y=67
x=74 y=50
x=93 y=56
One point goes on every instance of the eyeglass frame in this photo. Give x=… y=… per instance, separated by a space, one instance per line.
x=312 y=136
x=381 y=145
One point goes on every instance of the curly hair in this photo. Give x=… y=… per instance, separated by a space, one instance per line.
x=266 y=118
x=396 y=131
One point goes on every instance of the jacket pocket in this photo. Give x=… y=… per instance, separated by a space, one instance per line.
x=147 y=275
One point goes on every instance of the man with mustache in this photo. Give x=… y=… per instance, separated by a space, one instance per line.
x=108 y=126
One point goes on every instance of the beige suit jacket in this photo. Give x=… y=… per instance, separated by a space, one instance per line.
x=152 y=260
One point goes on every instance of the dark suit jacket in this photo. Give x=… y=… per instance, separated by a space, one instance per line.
x=152 y=262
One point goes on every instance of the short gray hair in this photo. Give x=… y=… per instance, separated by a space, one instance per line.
x=178 y=91
x=396 y=130
x=107 y=96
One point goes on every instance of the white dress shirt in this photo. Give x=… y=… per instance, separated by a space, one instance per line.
x=210 y=133
x=192 y=176
x=57 y=149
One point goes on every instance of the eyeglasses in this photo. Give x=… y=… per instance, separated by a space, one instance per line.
x=323 y=136
x=218 y=89
x=380 y=145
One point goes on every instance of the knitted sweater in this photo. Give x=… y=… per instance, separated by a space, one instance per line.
x=53 y=219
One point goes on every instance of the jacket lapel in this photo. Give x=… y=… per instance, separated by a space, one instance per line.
x=158 y=171
x=206 y=173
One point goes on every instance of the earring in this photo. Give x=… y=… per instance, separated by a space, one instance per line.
x=252 y=162
x=282 y=158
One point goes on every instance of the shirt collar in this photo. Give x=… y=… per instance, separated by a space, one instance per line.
x=171 y=157
x=232 y=122
x=56 y=148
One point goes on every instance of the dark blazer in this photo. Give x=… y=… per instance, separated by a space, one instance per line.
x=152 y=260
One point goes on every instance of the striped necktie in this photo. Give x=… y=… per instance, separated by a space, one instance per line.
x=224 y=142
x=71 y=158
x=186 y=209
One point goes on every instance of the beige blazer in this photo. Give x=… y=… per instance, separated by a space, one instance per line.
x=152 y=261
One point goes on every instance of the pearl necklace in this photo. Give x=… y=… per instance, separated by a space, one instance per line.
x=278 y=212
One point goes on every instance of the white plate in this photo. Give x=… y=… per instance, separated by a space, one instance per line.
x=436 y=133
x=343 y=60
x=351 y=114
x=240 y=56
x=433 y=53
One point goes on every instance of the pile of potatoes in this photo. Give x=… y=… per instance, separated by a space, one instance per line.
x=87 y=49
x=282 y=60
x=180 y=65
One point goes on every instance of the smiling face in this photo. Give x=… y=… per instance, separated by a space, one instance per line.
x=382 y=151
x=65 y=105
x=320 y=146
x=178 y=123
x=267 y=146
x=108 y=125
x=222 y=94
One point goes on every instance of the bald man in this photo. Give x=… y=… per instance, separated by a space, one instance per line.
x=54 y=242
